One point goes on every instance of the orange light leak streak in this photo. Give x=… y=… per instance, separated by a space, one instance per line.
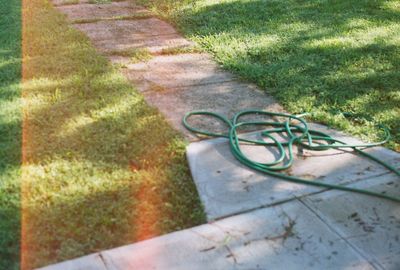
x=26 y=16
x=148 y=199
x=148 y=215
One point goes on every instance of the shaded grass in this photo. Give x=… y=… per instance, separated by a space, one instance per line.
x=10 y=132
x=323 y=56
x=101 y=167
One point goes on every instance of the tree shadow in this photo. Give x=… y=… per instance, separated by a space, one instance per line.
x=262 y=17
x=101 y=167
x=320 y=55
x=98 y=128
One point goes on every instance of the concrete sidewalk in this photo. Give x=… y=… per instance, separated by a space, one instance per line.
x=330 y=230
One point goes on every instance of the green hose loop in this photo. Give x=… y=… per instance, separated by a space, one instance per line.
x=297 y=134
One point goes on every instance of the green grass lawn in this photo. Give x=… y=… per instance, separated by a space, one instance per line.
x=323 y=56
x=100 y=168
x=10 y=132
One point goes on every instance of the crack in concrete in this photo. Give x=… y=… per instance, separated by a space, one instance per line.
x=103 y=260
x=231 y=254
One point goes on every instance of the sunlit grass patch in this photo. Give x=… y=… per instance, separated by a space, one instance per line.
x=101 y=168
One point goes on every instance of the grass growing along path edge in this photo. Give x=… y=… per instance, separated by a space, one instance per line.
x=324 y=57
x=100 y=168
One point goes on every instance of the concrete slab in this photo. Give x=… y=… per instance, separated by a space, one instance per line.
x=173 y=71
x=288 y=236
x=98 y=11
x=226 y=98
x=152 y=34
x=90 y=262
x=371 y=225
x=227 y=187
x=330 y=230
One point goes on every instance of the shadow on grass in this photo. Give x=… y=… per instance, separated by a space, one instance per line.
x=102 y=170
x=101 y=167
x=319 y=56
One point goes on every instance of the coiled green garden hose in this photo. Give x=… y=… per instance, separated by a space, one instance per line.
x=298 y=134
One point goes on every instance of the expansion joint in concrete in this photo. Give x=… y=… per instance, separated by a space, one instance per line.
x=373 y=263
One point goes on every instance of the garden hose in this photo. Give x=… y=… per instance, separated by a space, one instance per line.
x=298 y=134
